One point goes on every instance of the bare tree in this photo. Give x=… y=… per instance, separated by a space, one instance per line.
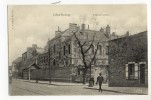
x=87 y=58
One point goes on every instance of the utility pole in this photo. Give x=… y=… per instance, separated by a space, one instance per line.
x=49 y=64
x=29 y=74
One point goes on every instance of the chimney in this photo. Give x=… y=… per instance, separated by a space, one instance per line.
x=72 y=27
x=113 y=33
x=108 y=30
x=34 y=46
x=127 y=33
x=57 y=32
x=102 y=30
x=58 y=28
x=29 y=48
x=83 y=27
x=88 y=26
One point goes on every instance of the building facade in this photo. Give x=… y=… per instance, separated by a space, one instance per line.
x=61 y=58
x=43 y=63
x=65 y=56
x=128 y=63
x=16 y=66
x=30 y=57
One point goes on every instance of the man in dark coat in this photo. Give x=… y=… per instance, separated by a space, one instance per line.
x=100 y=80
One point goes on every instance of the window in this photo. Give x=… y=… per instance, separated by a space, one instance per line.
x=107 y=50
x=54 y=62
x=59 y=55
x=64 y=50
x=66 y=63
x=131 y=71
x=80 y=71
x=69 y=48
x=44 y=59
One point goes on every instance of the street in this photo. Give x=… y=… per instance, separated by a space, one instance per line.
x=25 y=87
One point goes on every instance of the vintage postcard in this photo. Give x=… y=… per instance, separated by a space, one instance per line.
x=78 y=49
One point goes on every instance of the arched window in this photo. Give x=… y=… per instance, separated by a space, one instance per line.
x=54 y=62
x=107 y=50
x=69 y=48
x=100 y=49
x=64 y=50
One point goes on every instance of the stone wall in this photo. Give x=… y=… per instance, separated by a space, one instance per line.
x=58 y=74
x=62 y=74
x=124 y=50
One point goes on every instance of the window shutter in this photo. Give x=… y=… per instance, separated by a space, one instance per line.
x=136 y=71
x=126 y=71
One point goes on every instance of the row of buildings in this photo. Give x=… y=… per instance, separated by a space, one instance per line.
x=116 y=57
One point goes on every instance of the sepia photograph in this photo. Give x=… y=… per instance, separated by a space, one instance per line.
x=77 y=49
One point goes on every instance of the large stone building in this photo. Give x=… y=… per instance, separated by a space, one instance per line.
x=65 y=57
x=128 y=62
x=61 y=58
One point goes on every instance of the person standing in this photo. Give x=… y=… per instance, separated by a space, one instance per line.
x=100 y=80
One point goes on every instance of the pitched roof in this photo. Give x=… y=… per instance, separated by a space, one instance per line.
x=17 y=60
x=40 y=50
x=142 y=34
x=101 y=36
x=32 y=66
x=29 y=61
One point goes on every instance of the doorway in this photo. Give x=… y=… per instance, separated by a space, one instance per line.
x=142 y=73
x=96 y=73
x=104 y=73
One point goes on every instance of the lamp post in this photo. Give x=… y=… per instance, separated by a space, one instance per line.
x=29 y=74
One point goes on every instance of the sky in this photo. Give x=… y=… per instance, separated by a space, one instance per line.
x=35 y=24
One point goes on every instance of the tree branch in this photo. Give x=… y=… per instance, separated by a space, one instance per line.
x=94 y=54
x=85 y=41
x=81 y=49
x=90 y=44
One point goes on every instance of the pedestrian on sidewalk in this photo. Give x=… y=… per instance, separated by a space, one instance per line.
x=100 y=80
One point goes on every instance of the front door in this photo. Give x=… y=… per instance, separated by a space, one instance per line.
x=142 y=73
x=104 y=73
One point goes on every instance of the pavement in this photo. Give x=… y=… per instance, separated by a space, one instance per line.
x=26 y=87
